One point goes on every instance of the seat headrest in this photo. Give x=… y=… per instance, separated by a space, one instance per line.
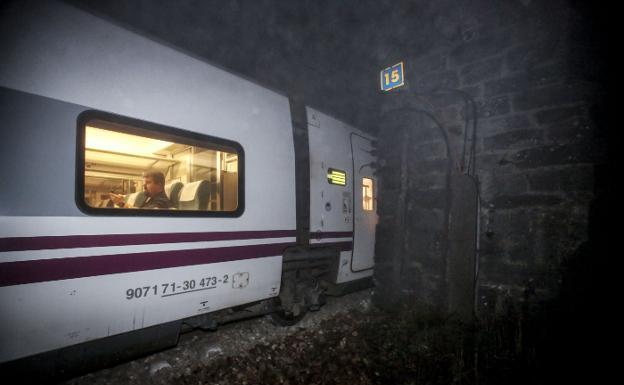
x=189 y=191
x=173 y=188
x=173 y=192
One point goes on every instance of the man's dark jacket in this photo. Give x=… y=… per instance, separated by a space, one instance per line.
x=159 y=201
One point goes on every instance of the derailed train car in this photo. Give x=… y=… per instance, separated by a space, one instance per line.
x=273 y=201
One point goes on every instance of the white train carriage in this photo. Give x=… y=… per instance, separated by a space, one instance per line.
x=266 y=193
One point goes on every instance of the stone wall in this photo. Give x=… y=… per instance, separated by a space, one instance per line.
x=535 y=72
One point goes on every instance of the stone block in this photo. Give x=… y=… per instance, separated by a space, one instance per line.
x=480 y=48
x=429 y=166
x=435 y=80
x=503 y=124
x=443 y=99
x=488 y=247
x=489 y=107
x=486 y=163
x=575 y=129
x=547 y=74
x=503 y=183
x=527 y=56
x=447 y=114
x=394 y=106
x=508 y=248
x=386 y=232
x=545 y=181
x=388 y=153
x=559 y=232
x=521 y=82
x=427 y=198
x=411 y=278
x=558 y=114
x=506 y=202
x=480 y=71
x=420 y=248
x=507 y=85
x=585 y=152
x=425 y=247
x=492 y=107
x=513 y=140
x=424 y=219
x=498 y=271
x=425 y=132
x=429 y=150
x=387 y=204
x=383 y=254
x=455 y=131
x=420 y=128
x=427 y=181
x=519 y=247
x=566 y=179
x=383 y=266
x=555 y=95
x=474 y=91
x=432 y=262
x=390 y=180
x=384 y=274
x=435 y=62
x=453 y=97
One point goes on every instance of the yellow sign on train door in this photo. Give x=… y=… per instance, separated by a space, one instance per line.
x=392 y=77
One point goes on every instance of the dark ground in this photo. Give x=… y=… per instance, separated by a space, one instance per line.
x=352 y=342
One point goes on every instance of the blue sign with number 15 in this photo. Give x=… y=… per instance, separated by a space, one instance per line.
x=392 y=77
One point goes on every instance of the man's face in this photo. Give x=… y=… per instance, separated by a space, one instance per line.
x=152 y=188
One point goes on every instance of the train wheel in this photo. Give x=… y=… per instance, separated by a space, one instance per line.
x=282 y=317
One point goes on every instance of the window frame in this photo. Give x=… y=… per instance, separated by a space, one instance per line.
x=157 y=131
x=372 y=183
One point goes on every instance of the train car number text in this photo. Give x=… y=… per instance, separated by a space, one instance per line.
x=168 y=289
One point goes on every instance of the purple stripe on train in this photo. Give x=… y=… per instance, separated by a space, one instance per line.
x=44 y=270
x=77 y=241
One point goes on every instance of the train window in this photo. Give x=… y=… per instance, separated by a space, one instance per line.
x=127 y=166
x=367 y=194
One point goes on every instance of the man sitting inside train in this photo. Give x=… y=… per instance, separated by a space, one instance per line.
x=154 y=189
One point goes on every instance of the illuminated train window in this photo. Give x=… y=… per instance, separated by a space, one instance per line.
x=131 y=167
x=367 y=194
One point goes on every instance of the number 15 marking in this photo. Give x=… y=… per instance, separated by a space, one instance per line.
x=395 y=77
x=392 y=77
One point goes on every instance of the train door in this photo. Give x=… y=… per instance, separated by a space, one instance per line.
x=330 y=175
x=342 y=194
x=364 y=204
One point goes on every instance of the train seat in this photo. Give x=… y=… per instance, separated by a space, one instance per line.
x=194 y=196
x=135 y=199
x=173 y=190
